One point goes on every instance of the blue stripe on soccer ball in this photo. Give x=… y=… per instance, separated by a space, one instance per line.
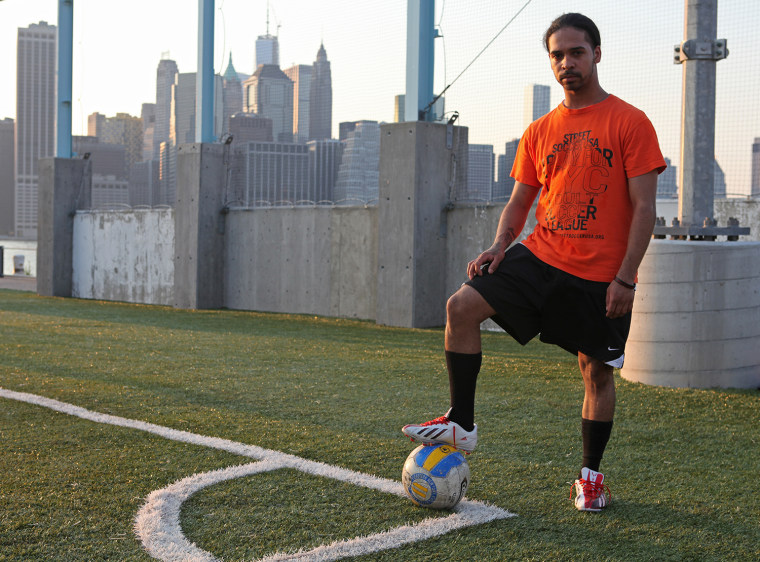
x=444 y=458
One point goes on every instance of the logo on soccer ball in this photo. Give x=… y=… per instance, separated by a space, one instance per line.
x=422 y=488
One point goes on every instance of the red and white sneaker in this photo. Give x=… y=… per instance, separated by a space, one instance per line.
x=591 y=493
x=443 y=430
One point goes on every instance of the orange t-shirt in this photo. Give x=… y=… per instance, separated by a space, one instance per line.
x=582 y=159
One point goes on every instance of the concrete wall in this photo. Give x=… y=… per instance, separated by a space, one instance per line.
x=26 y=248
x=308 y=260
x=124 y=256
x=746 y=210
x=696 y=320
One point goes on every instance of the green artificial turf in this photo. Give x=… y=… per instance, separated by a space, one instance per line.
x=682 y=464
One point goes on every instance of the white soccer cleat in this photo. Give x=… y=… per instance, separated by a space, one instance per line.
x=590 y=492
x=443 y=430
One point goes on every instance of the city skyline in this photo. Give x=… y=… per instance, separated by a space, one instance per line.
x=368 y=72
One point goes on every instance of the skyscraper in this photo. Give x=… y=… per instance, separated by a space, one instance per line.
x=506 y=182
x=536 y=103
x=667 y=182
x=165 y=76
x=269 y=93
x=123 y=129
x=233 y=95
x=399 y=106
x=148 y=116
x=7 y=179
x=755 y=188
x=182 y=123
x=300 y=74
x=719 y=182
x=480 y=168
x=35 y=118
x=273 y=173
x=359 y=173
x=320 y=114
x=267 y=50
x=324 y=160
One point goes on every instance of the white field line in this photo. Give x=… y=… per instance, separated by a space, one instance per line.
x=157 y=522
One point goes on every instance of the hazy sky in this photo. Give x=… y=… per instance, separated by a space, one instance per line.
x=117 y=46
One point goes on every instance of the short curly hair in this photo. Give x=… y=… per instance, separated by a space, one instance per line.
x=578 y=21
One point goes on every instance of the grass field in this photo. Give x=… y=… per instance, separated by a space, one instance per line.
x=683 y=465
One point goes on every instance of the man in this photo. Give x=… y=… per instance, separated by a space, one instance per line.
x=594 y=160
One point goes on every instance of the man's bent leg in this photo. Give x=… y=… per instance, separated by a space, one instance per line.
x=465 y=311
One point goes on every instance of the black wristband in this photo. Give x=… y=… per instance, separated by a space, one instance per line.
x=624 y=284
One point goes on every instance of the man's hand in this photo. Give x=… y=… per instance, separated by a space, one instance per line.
x=619 y=300
x=491 y=257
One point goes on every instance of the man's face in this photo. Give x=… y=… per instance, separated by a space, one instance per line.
x=572 y=57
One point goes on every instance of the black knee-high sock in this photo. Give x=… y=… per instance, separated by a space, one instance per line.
x=463 y=375
x=595 y=437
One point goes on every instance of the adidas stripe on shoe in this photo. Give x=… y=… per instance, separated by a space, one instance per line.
x=443 y=430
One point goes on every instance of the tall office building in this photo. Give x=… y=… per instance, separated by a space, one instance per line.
x=719 y=182
x=123 y=129
x=536 y=103
x=667 y=182
x=506 y=183
x=269 y=93
x=7 y=179
x=399 y=107
x=480 y=169
x=144 y=187
x=359 y=173
x=324 y=160
x=272 y=173
x=755 y=187
x=300 y=74
x=249 y=127
x=35 y=118
x=267 y=50
x=232 y=90
x=182 y=124
x=148 y=116
x=165 y=77
x=320 y=114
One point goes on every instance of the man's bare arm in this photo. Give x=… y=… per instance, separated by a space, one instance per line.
x=511 y=223
x=642 y=190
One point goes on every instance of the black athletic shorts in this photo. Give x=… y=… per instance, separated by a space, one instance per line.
x=531 y=297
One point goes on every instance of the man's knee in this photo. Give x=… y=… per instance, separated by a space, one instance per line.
x=467 y=305
x=595 y=371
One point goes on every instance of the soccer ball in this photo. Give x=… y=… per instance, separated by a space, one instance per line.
x=435 y=476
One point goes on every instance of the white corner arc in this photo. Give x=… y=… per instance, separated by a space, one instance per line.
x=157 y=522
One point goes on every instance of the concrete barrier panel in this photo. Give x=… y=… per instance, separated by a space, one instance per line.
x=696 y=320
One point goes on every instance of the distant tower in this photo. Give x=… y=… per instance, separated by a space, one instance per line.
x=755 y=188
x=480 y=168
x=148 y=116
x=399 y=107
x=165 y=75
x=7 y=182
x=324 y=160
x=667 y=182
x=123 y=129
x=267 y=47
x=506 y=183
x=320 y=114
x=719 y=182
x=536 y=103
x=359 y=173
x=233 y=95
x=300 y=74
x=269 y=93
x=35 y=118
